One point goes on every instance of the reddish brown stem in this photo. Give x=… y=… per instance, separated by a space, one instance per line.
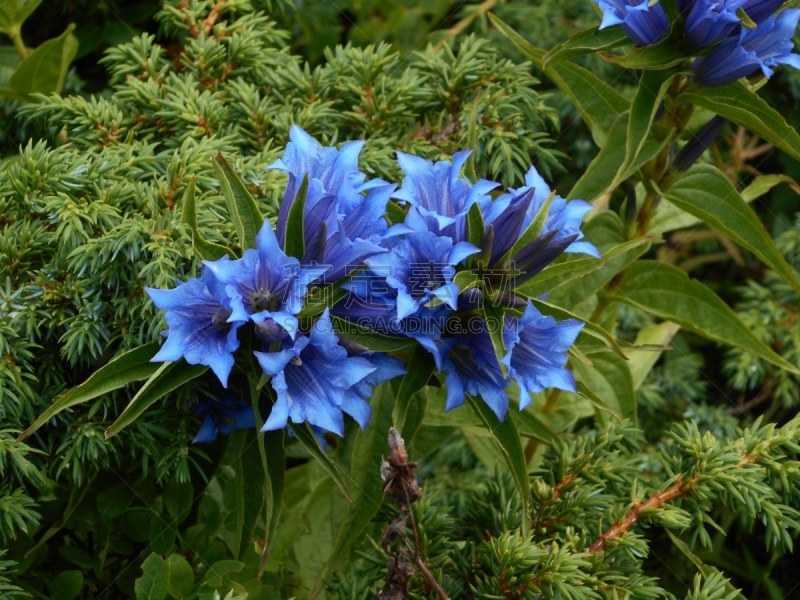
x=676 y=490
x=618 y=529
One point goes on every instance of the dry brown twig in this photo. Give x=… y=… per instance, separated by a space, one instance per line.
x=400 y=484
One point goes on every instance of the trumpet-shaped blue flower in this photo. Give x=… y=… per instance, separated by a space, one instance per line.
x=537 y=352
x=709 y=21
x=420 y=267
x=470 y=367
x=266 y=285
x=356 y=236
x=223 y=417
x=441 y=197
x=768 y=45
x=643 y=22
x=201 y=328
x=316 y=381
x=333 y=176
x=343 y=213
x=511 y=214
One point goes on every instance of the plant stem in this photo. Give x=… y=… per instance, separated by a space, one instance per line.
x=255 y=394
x=15 y=34
x=676 y=490
x=680 y=487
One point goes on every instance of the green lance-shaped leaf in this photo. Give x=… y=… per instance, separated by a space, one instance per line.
x=530 y=425
x=475 y=225
x=168 y=378
x=243 y=208
x=609 y=378
x=321 y=297
x=707 y=194
x=130 y=366
x=652 y=88
x=407 y=418
x=204 y=249
x=667 y=292
x=562 y=273
x=739 y=104
x=608 y=169
x=586 y=42
x=309 y=441
x=45 y=69
x=369 y=448
x=763 y=184
x=659 y=57
x=506 y=436
x=494 y=318
x=669 y=217
x=650 y=343
x=377 y=342
x=272 y=451
x=598 y=103
x=586 y=287
x=295 y=242
x=246 y=488
x=599 y=404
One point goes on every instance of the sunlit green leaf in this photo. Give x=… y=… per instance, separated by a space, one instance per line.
x=667 y=292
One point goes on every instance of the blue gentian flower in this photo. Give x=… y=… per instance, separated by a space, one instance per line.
x=709 y=21
x=511 y=214
x=441 y=196
x=470 y=367
x=201 y=327
x=420 y=267
x=386 y=368
x=537 y=352
x=768 y=45
x=643 y=22
x=223 y=417
x=266 y=286
x=343 y=213
x=333 y=174
x=316 y=381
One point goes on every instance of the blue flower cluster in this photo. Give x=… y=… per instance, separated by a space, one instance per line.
x=739 y=46
x=461 y=246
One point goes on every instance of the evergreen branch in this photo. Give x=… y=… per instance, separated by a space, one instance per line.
x=213 y=15
x=676 y=490
x=679 y=488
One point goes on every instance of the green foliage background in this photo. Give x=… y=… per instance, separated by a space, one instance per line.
x=90 y=213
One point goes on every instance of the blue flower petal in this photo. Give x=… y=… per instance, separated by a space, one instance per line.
x=538 y=346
